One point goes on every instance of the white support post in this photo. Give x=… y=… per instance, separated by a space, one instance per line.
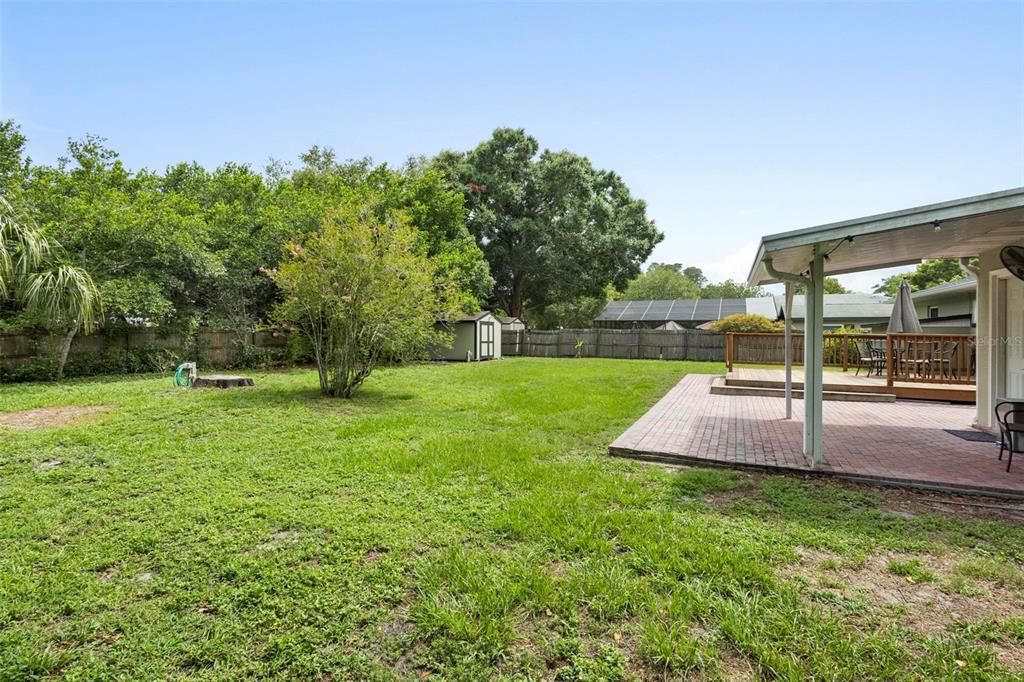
x=814 y=358
x=788 y=348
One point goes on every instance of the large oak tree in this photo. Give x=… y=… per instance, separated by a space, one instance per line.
x=553 y=227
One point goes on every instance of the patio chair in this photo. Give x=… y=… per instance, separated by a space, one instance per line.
x=878 y=351
x=1010 y=417
x=944 y=359
x=870 y=357
x=912 y=360
x=864 y=356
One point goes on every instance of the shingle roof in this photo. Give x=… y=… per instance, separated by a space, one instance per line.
x=846 y=307
x=469 y=317
x=963 y=285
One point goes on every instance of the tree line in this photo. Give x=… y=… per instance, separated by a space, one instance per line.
x=509 y=225
x=538 y=234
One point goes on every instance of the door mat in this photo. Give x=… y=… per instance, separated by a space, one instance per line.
x=972 y=435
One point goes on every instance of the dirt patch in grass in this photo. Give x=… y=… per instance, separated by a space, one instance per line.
x=278 y=540
x=375 y=554
x=903 y=503
x=910 y=504
x=930 y=604
x=52 y=417
x=735 y=667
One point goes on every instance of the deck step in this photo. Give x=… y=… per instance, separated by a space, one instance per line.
x=798 y=385
x=720 y=387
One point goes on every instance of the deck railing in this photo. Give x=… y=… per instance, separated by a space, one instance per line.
x=919 y=358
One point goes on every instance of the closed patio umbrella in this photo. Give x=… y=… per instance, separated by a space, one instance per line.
x=909 y=357
x=903 y=319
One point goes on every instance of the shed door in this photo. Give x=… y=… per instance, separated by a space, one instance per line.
x=486 y=340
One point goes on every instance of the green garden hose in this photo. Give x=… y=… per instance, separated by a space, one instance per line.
x=181 y=376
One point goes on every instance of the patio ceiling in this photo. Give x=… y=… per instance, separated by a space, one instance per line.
x=951 y=229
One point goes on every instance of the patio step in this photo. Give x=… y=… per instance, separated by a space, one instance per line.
x=720 y=387
x=798 y=385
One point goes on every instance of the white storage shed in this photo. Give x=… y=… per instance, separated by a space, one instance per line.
x=477 y=336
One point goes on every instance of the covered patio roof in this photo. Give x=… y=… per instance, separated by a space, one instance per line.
x=951 y=229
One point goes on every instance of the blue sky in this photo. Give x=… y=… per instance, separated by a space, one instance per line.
x=732 y=120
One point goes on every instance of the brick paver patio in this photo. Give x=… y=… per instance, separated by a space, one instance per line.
x=900 y=443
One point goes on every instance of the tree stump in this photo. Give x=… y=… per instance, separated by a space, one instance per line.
x=221 y=381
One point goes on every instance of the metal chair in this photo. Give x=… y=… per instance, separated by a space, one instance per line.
x=938 y=357
x=1010 y=417
x=864 y=356
x=879 y=353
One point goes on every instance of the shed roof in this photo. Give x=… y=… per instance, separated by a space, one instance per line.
x=469 y=317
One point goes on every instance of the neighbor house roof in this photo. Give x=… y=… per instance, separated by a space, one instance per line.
x=845 y=307
x=509 y=320
x=966 y=285
x=951 y=229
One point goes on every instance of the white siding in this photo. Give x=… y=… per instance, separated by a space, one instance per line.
x=1014 y=343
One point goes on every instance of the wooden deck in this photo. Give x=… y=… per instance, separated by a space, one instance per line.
x=837 y=380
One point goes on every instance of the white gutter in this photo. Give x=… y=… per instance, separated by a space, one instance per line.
x=791 y=281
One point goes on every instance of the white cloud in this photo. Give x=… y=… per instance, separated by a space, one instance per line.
x=734 y=266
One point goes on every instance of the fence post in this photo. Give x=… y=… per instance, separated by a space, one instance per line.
x=728 y=351
x=846 y=353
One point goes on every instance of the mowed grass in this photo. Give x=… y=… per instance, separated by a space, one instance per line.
x=460 y=522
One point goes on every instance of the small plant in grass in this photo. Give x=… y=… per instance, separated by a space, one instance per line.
x=607 y=666
x=669 y=645
x=959 y=584
x=1014 y=629
x=1000 y=571
x=912 y=569
x=832 y=583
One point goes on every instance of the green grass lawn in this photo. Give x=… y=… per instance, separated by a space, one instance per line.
x=463 y=522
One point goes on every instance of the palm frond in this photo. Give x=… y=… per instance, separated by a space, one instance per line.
x=23 y=248
x=65 y=294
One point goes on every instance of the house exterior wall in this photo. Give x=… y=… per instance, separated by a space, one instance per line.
x=866 y=326
x=1000 y=349
x=951 y=305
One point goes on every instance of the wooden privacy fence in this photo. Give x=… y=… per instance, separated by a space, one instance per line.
x=922 y=358
x=634 y=344
x=216 y=347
